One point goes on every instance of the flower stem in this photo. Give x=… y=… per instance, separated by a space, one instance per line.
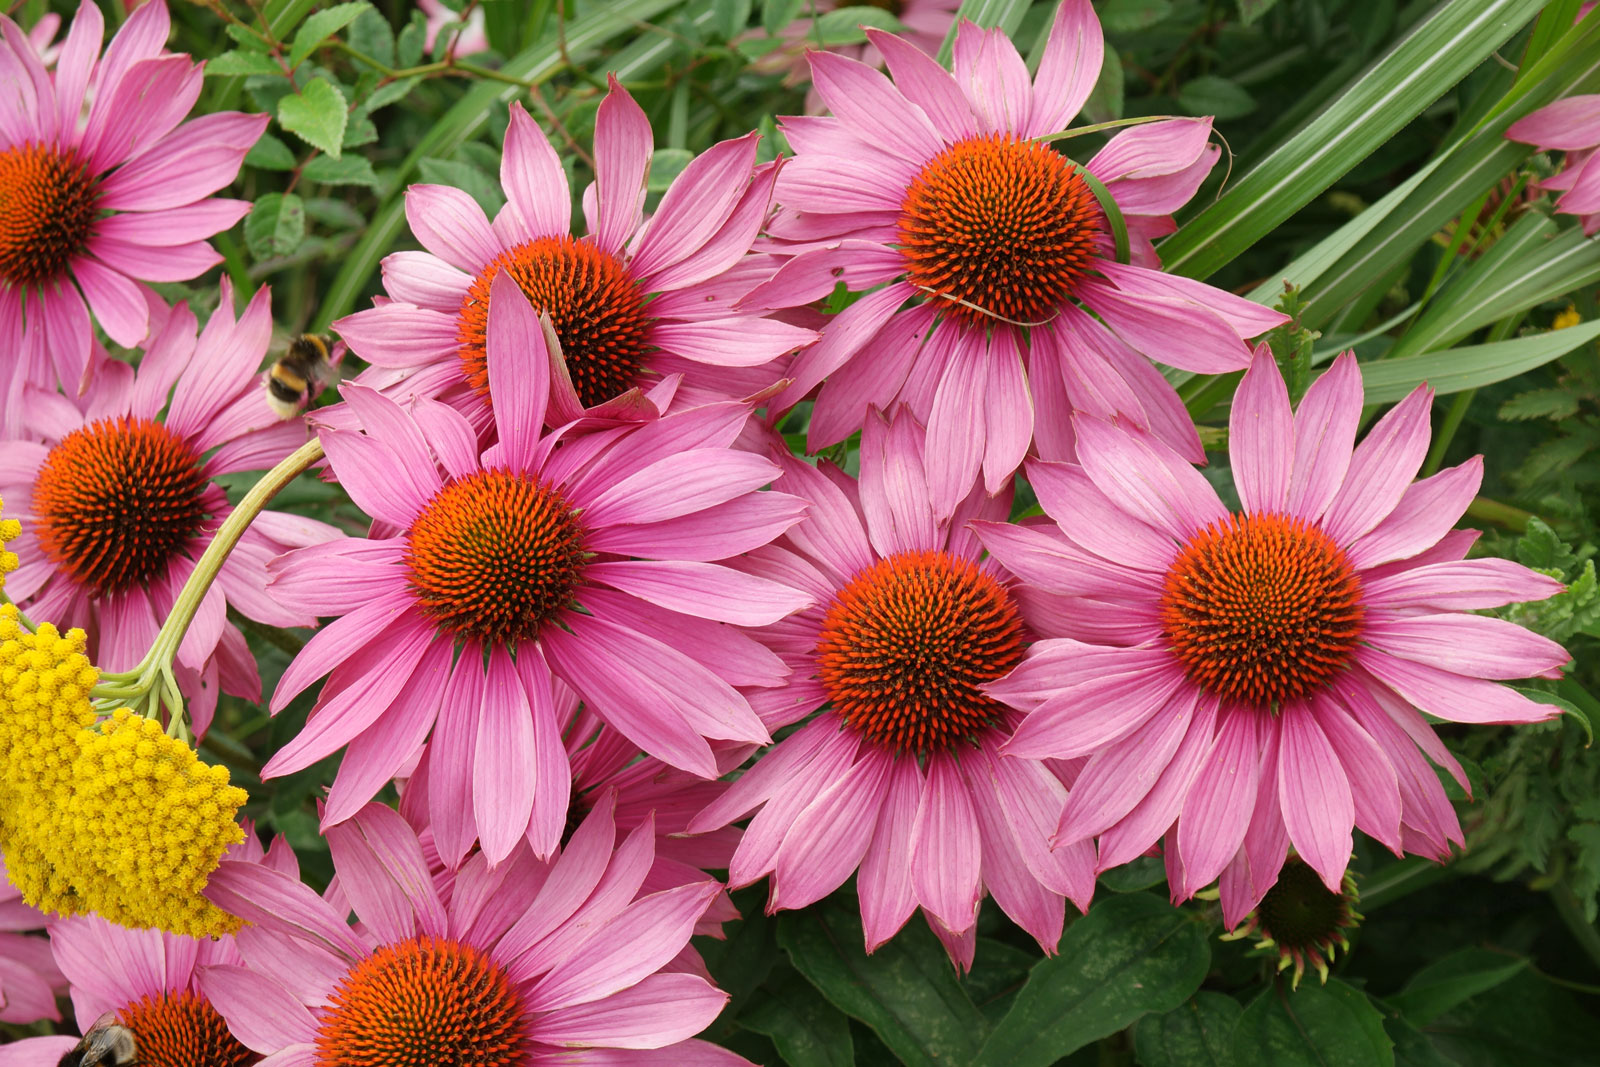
x=151 y=684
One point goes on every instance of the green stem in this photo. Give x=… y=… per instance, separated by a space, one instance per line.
x=151 y=684
x=1514 y=519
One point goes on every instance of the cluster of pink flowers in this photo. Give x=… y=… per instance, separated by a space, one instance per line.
x=597 y=581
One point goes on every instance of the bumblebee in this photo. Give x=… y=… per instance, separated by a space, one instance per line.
x=305 y=370
x=107 y=1044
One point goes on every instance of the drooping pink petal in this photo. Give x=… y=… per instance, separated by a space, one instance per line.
x=884 y=880
x=1212 y=824
x=946 y=854
x=1315 y=794
x=830 y=837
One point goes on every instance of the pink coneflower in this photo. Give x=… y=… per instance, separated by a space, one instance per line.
x=471 y=39
x=901 y=775
x=148 y=981
x=926 y=22
x=635 y=307
x=526 y=962
x=1259 y=676
x=589 y=560
x=987 y=246
x=29 y=977
x=118 y=501
x=89 y=209
x=1571 y=126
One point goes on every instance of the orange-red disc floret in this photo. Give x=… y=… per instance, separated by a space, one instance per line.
x=424 y=1002
x=115 y=499
x=1262 y=609
x=496 y=555
x=48 y=202
x=906 y=645
x=183 y=1030
x=1005 y=227
x=594 y=304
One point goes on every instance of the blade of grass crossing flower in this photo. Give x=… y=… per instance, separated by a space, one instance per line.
x=1006 y=14
x=1472 y=367
x=583 y=38
x=1437 y=54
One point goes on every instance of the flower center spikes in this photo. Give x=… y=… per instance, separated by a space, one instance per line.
x=47 y=204
x=1306 y=923
x=496 y=555
x=594 y=304
x=906 y=645
x=424 y=1002
x=997 y=228
x=1262 y=609
x=116 y=499
x=183 y=1030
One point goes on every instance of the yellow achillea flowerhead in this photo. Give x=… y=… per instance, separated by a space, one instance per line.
x=153 y=821
x=117 y=819
x=9 y=529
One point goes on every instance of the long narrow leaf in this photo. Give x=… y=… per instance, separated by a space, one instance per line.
x=1391 y=92
x=1006 y=14
x=1472 y=367
x=462 y=121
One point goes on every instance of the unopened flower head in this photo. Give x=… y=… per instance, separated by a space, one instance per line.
x=95 y=201
x=982 y=252
x=1266 y=670
x=1301 y=921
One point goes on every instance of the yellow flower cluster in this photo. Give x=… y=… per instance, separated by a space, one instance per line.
x=9 y=529
x=118 y=819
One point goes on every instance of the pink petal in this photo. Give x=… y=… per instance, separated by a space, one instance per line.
x=696 y=205
x=535 y=184
x=1381 y=468
x=279 y=901
x=1215 y=815
x=1473 y=645
x=452 y=755
x=1426 y=512
x=259 y=1011
x=1374 y=788
x=884 y=880
x=1153 y=816
x=679 y=485
x=519 y=372
x=452 y=226
x=658 y=1011
x=503 y=761
x=1068 y=70
x=1261 y=437
x=1324 y=437
x=1315 y=795
x=119 y=305
x=1568 y=124
x=1147 y=479
x=922 y=81
x=1007 y=413
x=1120 y=775
x=956 y=429
x=622 y=147
x=827 y=841
x=705 y=590
x=946 y=857
x=868 y=103
x=1091 y=520
x=385 y=876
x=1468 y=585
x=1170 y=330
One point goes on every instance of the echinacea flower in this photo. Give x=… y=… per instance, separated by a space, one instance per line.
x=29 y=977
x=985 y=250
x=111 y=815
x=119 y=500
x=591 y=560
x=636 y=308
x=926 y=22
x=147 y=981
x=525 y=963
x=1261 y=675
x=1302 y=921
x=900 y=775
x=1572 y=126
x=93 y=205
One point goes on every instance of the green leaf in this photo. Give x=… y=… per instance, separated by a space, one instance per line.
x=317 y=115
x=1569 y=709
x=732 y=16
x=1130 y=955
x=360 y=130
x=1435 y=55
x=807 y=1030
x=241 y=62
x=1127 y=16
x=1250 y=10
x=275 y=226
x=1005 y=14
x=1197 y=1033
x=1470 y=367
x=1442 y=985
x=1526 y=1022
x=269 y=153
x=371 y=35
x=1105 y=103
x=247 y=38
x=1318 y=1026
x=1215 y=96
x=322 y=25
x=776 y=14
x=281 y=16
x=999 y=971
x=844 y=25
x=1555 y=403
x=665 y=165
x=1412 y=1047
x=390 y=93
x=906 y=991
x=467 y=116
x=408 y=44
x=352 y=170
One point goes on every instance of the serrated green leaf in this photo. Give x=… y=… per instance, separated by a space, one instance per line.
x=906 y=991
x=1445 y=983
x=1317 y=1026
x=359 y=131
x=1215 y=96
x=1130 y=955
x=322 y=25
x=351 y=170
x=1128 y=16
x=408 y=44
x=317 y=115
x=275 y=226
x=1471 y=366
x=371 y=35
x=239 y=61
x=269 y=153
x=1197 y=1033
x=390 y=93
x=246 y=38
x=1539 y=404
x=807 y=1030
x=1452 y=40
